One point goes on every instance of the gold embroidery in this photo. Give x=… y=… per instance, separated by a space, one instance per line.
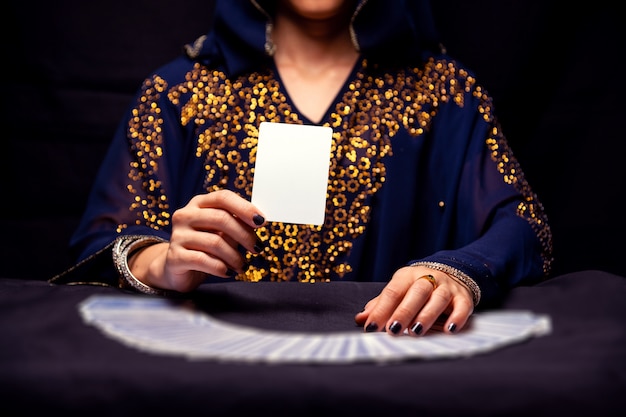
x=144 y=128
x=225 y=114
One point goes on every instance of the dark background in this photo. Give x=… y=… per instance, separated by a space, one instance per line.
x=70 y=69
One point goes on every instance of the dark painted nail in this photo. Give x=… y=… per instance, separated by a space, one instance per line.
x=258 y=219
x=372 y=327
x=395 y=327
x=417 y=328
x=259 y=246
x=452 y=328
x=230 y=272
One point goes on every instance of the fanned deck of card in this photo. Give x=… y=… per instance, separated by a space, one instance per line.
x=163 y=326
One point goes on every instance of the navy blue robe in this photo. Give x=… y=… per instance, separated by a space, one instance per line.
x=420 y=168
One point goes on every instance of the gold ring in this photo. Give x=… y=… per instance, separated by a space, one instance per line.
x=430 y=279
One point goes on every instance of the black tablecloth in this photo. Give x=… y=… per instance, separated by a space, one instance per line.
x=51 y=361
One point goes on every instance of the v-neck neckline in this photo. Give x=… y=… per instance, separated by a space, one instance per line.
x=326 y=115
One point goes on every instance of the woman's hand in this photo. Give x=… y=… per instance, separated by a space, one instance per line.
x=208 y=235
x=411 y=301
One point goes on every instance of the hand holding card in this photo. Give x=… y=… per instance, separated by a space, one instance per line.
x=291 y=172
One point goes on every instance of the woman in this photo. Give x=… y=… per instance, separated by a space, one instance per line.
x=423 y=191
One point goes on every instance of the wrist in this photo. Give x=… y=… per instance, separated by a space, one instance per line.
x=456 y=275
x=125 y=251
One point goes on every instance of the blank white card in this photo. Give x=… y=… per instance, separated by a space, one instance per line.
x=291 y=172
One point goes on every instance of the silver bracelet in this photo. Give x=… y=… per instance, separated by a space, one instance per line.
x=457 y=275
x=123 y=247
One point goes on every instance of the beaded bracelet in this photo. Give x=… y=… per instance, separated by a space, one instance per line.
x=123 y=248
x=455 y=274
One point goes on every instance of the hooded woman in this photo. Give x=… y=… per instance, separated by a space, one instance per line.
x=423 y=193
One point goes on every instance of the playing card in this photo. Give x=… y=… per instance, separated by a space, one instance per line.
x=163 y=326
x=291 y=172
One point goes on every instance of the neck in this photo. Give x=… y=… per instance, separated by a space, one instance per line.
x=312 y=43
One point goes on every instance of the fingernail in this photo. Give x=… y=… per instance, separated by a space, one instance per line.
x=258 y=219
x=259 y=246
x=230 y=272
x=372 y=327
x=452 y=328
x=417 y=328
x=395 y=327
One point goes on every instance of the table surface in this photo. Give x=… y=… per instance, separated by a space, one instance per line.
x=51 y=360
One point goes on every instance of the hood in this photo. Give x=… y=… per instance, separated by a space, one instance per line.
x=384 y=31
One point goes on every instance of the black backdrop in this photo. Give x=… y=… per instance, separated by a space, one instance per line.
x=70 y=68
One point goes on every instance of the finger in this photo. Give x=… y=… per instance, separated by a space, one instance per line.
x=207 y=253
x=214 y=220
x=415 y=298
x=234 y=204
x=431 y=311
x=389 y=298
x=220 y=246
x=457 y=319
x=253 y=243
x=361 y=317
